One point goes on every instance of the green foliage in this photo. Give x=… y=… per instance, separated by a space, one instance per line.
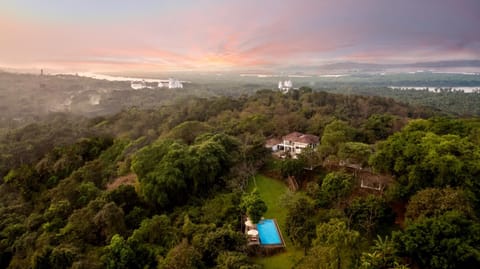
x=337 y=185
x=182 y=256
x=29 y=143
x=81 y=229
x=64 y=160
x=87 y=191
x=222 y=209
x=367 y=214
x=432 y=202
x=57 y=213
x=293 y=168
x=188 y=131
x=382 y=255
x=158 y=233
x=300 y=223
x=115 y=152
x=110 y=221
x=447 y=241
x=420 y=158
x=379 y=127
x=234 y=260
x=168 y=170
x=253 y=205
x=62 y=257
x=355 y=152
x=334 y=134
x=310 y=158
x=55 y=258
x=335 y=247
x=216 y=241
x=119 y=254
x=451 y=102
x=209 y=159
x=160 y=171
x=24 y=179
x=133 y=207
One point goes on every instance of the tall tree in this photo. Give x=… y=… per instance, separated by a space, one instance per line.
x=420 y=158
x=337 y=185
x=157 y=233
x=382 y=255
x=300 y=222
x=334 y=134
x=182 y=256
x=336 y=247
x=119 y=254
x=355 y=152
x=253 y=205
x=432 y=202
x=160 y=169
x=366 y=214
x=447 y=241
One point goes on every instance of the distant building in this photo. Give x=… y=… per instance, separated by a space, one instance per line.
x=162 y=84
x=285 y=86
x=137 y=85
x=171 y=83
x=174 y=84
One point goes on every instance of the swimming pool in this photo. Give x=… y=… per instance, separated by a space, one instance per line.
x=268 y=232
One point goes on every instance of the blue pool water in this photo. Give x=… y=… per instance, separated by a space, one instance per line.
x=268 y=233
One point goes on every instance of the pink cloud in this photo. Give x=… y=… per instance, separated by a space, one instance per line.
x=236 y=34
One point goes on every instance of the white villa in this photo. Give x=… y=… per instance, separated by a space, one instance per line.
x=293 y=143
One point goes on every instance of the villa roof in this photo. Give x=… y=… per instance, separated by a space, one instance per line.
x=272 y=142
x=302 y=138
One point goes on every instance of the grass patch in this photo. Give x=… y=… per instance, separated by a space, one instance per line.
x=271 y=191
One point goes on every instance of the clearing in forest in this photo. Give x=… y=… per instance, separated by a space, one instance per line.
x=271 y=190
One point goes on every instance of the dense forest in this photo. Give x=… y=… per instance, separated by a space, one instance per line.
x=167 y=187
x=444 y=99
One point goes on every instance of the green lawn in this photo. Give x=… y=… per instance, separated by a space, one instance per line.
x=271 y=190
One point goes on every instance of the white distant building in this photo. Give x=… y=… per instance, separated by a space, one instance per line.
x=137 y=85
x=174 y=84
x=162 y=84
x=285 y=86
x=171 y=83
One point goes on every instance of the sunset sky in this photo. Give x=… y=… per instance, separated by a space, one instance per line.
x=142 y=35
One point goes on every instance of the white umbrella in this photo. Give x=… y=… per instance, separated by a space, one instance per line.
x=248 y=223
x=252 y=232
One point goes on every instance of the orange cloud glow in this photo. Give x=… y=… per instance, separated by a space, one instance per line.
x=228 y=35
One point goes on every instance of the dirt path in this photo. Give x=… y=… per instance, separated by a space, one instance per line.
x=130 y=179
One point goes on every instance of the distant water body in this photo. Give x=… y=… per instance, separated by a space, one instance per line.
x=120 y=78
x=438 y=89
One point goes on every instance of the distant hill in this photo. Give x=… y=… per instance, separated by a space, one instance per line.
x=457 y=63
x=369 y=67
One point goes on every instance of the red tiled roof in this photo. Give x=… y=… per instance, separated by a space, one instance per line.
x=272 y=142
x=302 y=138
